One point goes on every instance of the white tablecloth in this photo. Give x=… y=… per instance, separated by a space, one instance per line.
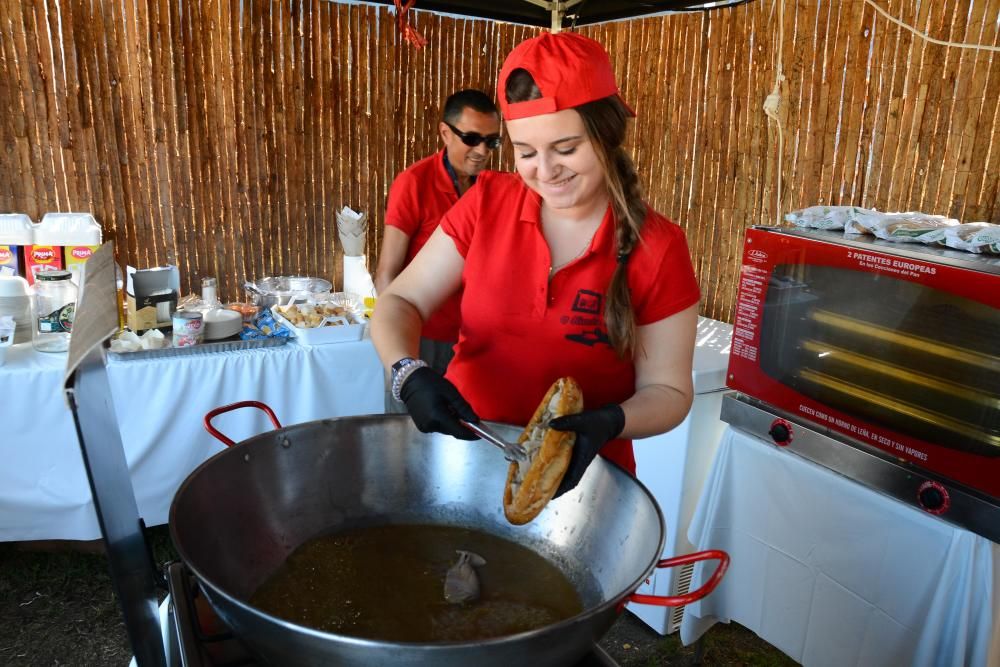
x=160 y=406
x=834 y=573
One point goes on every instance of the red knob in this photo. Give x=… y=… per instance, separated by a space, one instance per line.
x=781 y=432
x=933 y=497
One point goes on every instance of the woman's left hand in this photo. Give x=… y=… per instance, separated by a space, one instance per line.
x=593 y=428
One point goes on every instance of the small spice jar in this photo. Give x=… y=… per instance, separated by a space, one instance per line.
x=209 y=291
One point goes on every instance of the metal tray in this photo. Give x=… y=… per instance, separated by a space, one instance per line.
x=204 y=348
x=900 y=338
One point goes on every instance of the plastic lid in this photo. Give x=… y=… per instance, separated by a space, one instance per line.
x=15 y=229
x=50 y=276
x=13 y=286
x=711 y=355
x=68 y=229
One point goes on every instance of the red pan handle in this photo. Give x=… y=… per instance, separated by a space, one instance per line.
x=212 y=414
x=687 y=598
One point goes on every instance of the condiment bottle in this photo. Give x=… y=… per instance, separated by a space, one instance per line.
x=208 y=295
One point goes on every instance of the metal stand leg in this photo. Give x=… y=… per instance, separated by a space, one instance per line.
x=699 y=650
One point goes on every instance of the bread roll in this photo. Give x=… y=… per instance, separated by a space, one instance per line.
x=532 y=483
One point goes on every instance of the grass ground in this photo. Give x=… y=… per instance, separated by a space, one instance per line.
x=57 y=608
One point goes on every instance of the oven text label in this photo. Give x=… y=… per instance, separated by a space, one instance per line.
x=862 y=432
x=891 y=264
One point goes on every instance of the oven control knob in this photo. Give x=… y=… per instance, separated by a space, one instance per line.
x=781 y=432
x=933 y=497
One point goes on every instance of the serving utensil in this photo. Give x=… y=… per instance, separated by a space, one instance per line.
x=512 y=452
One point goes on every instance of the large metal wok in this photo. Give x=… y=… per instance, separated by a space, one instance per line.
x=240 y=514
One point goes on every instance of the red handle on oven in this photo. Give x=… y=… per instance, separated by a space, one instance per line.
x=236 y=406
x=687 y=598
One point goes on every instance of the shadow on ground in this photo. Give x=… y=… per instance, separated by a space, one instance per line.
x=57 y=607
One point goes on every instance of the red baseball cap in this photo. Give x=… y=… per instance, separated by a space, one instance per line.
x=569 y=70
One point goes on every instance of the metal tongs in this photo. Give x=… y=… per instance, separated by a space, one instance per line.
x=511 y=451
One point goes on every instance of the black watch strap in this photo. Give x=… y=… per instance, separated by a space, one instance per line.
x=398 y=366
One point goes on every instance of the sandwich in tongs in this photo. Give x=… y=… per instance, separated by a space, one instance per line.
x=532 y=483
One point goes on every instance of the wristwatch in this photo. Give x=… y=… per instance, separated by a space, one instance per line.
x=402 y=370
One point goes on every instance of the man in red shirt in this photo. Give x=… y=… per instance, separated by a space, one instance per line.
x=420 y=195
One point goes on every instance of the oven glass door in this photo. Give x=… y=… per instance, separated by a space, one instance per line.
x=905 y=356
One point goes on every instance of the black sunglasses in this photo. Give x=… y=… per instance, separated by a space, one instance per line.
x=473 y=139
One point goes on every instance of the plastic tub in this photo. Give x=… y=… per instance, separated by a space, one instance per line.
x=352 y=328
x=5 y=343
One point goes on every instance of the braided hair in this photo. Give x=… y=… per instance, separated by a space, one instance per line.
x=605 y=121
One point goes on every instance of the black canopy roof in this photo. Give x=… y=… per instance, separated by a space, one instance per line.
x=578 y=12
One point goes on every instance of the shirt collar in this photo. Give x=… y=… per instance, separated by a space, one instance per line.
x=531 y=213
x=531 y=206
x=452 y=175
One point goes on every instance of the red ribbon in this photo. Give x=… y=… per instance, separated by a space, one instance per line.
x=403 y=23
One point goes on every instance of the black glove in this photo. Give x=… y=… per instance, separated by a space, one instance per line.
x=594 y=428
x=435 y=404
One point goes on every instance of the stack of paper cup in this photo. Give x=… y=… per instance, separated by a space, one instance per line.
x=16 y=302
x=353 y=230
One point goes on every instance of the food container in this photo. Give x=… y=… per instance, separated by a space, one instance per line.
x=54 y=308
x=246 y=310
x=222 y=323
x=349 y=327
x=188 y=328
x=283 y=290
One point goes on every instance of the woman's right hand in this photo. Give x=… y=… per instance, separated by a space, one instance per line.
x=435 y=405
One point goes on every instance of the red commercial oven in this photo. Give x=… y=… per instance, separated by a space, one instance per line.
x=879 y=360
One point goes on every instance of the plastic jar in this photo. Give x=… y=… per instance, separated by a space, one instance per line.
x=74 y=237
x=54 y=302
x=16 y=234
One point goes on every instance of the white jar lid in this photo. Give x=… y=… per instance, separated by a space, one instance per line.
x=15 y=229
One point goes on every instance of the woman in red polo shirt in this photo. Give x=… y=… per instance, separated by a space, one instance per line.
x=566 y=271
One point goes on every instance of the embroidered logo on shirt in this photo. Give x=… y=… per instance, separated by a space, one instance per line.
x=588 y=303
x=590 y=337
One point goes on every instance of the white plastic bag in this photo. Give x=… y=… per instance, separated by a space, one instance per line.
x=906 y=227
x=825 y=217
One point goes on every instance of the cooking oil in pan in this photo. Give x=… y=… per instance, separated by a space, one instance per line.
x=387 y=583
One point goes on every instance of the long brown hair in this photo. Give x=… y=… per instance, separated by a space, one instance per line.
x=605 y=121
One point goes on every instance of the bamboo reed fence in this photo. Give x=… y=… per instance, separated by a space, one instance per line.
x=223 y=135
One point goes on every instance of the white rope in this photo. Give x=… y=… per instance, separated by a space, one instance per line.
x=926 y=37
x=772 y=103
